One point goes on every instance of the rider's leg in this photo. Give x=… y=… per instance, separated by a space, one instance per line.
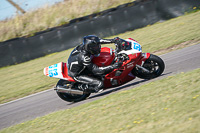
x=93 y=83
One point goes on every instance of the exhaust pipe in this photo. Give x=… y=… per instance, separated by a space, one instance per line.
x=70 y=91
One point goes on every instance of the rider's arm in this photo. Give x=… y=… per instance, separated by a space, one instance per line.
x=99 y=70
x=116 y=40
x=106 y=41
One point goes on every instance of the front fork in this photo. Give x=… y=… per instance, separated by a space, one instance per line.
x=140 y=63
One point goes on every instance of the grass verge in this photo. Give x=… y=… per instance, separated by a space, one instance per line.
x=27 y=78
x=167 y=105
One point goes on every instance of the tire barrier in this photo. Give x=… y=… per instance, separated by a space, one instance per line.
x=110 y=22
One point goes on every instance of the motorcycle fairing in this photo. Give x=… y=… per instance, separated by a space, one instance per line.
x=58 y=70
x=132 y=47
x=125 y=69
x=123 y=74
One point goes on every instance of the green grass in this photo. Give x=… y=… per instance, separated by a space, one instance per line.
x=27 y=78
x=170 y=105
x=48 y=17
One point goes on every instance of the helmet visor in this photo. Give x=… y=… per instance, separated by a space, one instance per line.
x=95 y=49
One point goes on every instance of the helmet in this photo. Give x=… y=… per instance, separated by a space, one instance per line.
x=92 y=44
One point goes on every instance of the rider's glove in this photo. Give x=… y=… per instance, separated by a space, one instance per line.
x=116 y=40
x=117 y=65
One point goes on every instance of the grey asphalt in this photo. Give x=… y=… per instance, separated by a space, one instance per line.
x=45 y=102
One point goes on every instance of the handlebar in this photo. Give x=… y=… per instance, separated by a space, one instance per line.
x=121 y=44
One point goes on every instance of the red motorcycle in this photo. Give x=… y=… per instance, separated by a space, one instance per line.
x=135 y=64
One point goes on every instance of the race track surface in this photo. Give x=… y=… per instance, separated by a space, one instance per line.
x=45 y=102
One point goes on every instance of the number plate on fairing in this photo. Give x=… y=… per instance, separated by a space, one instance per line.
x=54 y=70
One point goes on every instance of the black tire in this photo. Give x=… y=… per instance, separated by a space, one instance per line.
x=154 y=64
x=70 y=97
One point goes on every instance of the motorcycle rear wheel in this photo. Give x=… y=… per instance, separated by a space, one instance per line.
x=154 y=64
x=70 y=97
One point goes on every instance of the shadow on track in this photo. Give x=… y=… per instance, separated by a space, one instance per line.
x=117 y=89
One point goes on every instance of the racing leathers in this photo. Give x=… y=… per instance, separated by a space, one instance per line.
x=80 y=61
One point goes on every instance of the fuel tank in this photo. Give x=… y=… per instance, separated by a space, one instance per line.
x=106 y=57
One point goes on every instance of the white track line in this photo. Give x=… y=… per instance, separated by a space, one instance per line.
x=26 y=97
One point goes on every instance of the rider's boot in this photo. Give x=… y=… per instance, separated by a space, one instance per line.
x=83 y=87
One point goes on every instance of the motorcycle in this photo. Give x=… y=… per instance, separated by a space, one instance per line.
x=135 y=64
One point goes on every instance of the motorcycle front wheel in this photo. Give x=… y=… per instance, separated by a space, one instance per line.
x=154 y=64
x=70 y=97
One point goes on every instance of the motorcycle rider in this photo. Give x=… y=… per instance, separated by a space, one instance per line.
x=80 y=60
